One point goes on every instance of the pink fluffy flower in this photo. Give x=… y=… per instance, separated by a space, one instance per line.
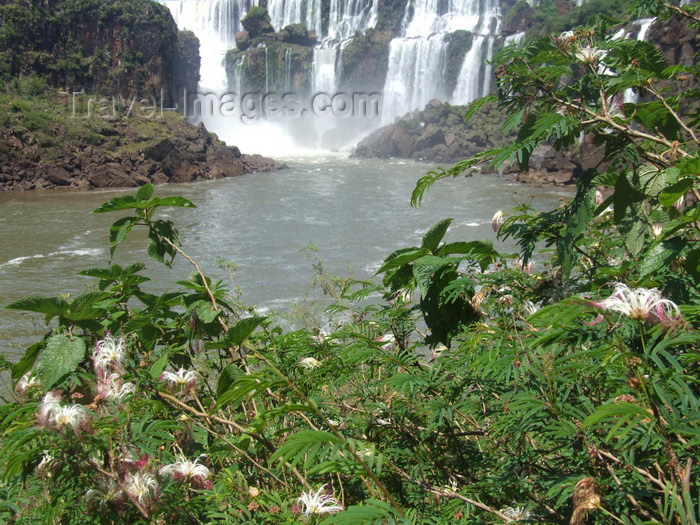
x=185 y=470
x=641 y=303
x=52 y=414
x=109 y=355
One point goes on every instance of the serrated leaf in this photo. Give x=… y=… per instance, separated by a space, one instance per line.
x=237 y=333
x=45 y=305
x=119 y=230
x=672 y=193
x=61 y=356
x=145 y=192
x=206 y=312
x=126 y=202
x=660 y=255
x=227 y=377
x=425 y=267
x=406 y=256
x=180 y=202
x=431 y=240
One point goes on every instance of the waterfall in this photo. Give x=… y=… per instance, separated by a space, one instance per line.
x=285 y=12
x=644 y=25
x=267 y=70
x=515 y=38
x=324 y=72
x=215 y=23
x=416 y=71
x=287 y=69
x=416 y=67
x=345 y=17
x=349 y=16
x=469 y=82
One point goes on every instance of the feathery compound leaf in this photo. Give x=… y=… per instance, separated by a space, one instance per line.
x=371 y=511
x=298 y=445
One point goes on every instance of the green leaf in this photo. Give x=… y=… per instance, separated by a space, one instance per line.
x=45 y=305
x=159 y=365
x=206 y=312
x=61 y=356
x=145 y=192
x=692 y=264
x=401 y=257
x=660 y=255
x=180 y=202
x=119 y=230
x=425 y=267
x=689 y=166
x=657 y=118
x=237 y=334
x=675 y=191
x=582 y=212
x=28 y=359
x=431 y=240
x=126 y=202
x=227 y=377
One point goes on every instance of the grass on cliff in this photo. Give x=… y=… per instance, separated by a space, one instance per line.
x=40 y=124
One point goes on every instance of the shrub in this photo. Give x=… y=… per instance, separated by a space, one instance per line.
x=484 y=387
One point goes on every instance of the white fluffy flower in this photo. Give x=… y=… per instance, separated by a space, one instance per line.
x=140 y=486
x=109 y=352
x=46 y=465
x=27 y=383
x=641 y=303
x=497 y=221
x=517 y=513
x=656 y=229
x=309 y=362
x=185 y=470
x=590 y=55
x=319 y=502
x=49 y=407
x=389 y=342
x=73 y=416
x=113 y=387
x=186 y=379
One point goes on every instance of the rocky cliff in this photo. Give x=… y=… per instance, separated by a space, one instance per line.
x=44 y=145
x=100 y=46
x=128 y=61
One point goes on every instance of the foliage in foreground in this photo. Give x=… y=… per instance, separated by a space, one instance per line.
x=504 y=392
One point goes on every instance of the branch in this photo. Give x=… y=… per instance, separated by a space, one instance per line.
x=448 y=493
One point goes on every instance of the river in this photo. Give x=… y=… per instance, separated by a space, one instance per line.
x=355 y=212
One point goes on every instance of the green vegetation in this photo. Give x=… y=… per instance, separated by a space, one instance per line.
x=485 y=387
x=549 y=17
x=257 y=22
x=90 y=44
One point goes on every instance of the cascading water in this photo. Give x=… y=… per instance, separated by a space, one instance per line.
x=286 y=12
x=324 y=70
x=287 y=69
x=415 y=74
x=215 y=23
x=349 y=16
x=644 y=25
x=416 y=70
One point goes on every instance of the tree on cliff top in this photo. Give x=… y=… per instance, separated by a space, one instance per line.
x=257 y=22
